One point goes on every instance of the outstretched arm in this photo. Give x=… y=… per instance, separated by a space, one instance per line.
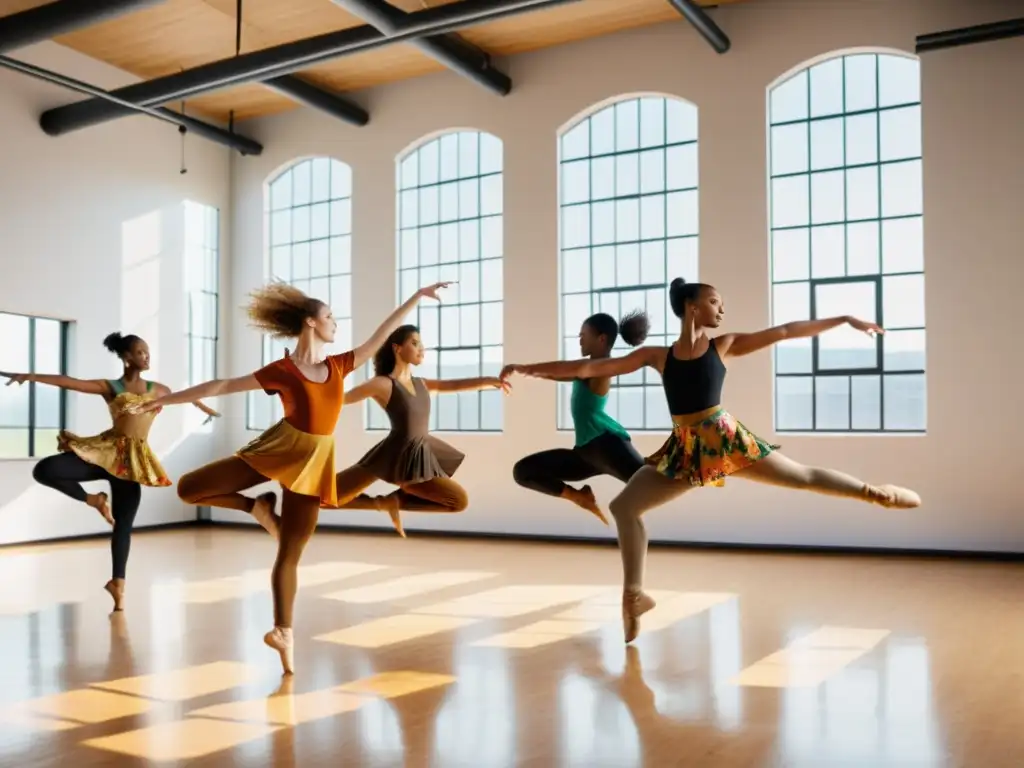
x=587 y=369
x=88 y=386
x=467 y=385
x=368 y=348
x=199 y=391
x=377 y=388
x=739 y=344
x=164 y=391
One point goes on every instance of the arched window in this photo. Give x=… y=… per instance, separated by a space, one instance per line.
x=846 y=239
x=450 y=228
x=309 y=213
x=629 y=224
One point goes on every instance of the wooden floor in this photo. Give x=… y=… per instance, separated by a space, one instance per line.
x=430 y=652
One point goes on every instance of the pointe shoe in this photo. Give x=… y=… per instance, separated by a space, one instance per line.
x=898 y=498
x=116 y=591
x=392 y=505
x=263 y=513
x=634 y=605
x=280 y=639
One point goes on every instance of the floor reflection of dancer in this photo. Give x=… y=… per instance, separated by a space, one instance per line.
x=602 y=445
x=707 y=442
x=298 y=451
x=420 y=464
x=121 y=455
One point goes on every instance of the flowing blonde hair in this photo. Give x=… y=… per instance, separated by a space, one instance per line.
x=281 y=310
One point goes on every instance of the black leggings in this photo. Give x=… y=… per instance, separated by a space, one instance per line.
x=65 y=472
x=547 y=471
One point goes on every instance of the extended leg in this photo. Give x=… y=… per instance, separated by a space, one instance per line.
x=776 y=469
x=66 y=472
x=442 y=494
x=645 y=490
x=349 y=486
x=218 y=485
x=125 y=498
x=298 y=522
x=547 y=471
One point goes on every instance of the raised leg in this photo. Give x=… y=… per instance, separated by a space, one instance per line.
x=218 y=485
x=299 y=515
x=547 y=472
x=66 y=472
x=776 y=469
x=349 y=486
x=645 y=490
x=442 y=494
x=125 y=498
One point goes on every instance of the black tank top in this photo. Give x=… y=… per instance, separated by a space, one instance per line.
x=693 y=385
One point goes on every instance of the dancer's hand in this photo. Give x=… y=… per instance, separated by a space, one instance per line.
x=210 y=417
x=871 y=329
x=15 y=378
x=500 y=383
x=430 y=291
x=511 y=368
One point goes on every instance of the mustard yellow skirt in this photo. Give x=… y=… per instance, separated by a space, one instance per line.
x=301 y=462
x=126 y=458
x=708 y=449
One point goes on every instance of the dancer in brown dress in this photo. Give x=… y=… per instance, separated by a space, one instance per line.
x=420 y=464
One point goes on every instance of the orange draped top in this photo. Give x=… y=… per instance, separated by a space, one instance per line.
x=310 y=406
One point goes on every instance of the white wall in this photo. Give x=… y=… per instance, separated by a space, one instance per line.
x=974 y=166
x=92 y=232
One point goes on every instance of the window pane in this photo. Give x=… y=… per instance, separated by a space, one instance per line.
x=827 y=88
x=790 y=147
x=791 y=205
x=828 y=197
x=903 y=301
x=862 y=248
x=794 y=402
x=899 y=80
x=790 y=254
x=862 y=193
x=789 y=100
x=862 y=139
x=828 y=251
x=861 y=91
x=827 y=144
x=903 y=245
x=901 y=189
x=905 y=403
x=903 y=350
x=832 y=402
x=617 y=254
x=843 y=347
x=900 y=133
x=866 y=402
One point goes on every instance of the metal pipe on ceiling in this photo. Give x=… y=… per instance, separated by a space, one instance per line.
x=317 y=98
x=703 y=23
x=451 y=52
x=285 y=59
x=244 y=145
x=55 y=19
x=980 y=33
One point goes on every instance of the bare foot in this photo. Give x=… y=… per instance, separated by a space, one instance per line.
x=895 y=497
x=391 y=504
x=280 y=639
x=263 y=512
x=98 y=501
x=634 y=605
x=116 y=589
x=584 y=497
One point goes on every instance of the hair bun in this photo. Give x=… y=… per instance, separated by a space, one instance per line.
x=114 y=342
x=678 y=282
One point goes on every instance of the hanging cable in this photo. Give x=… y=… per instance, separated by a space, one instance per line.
x=182 y=130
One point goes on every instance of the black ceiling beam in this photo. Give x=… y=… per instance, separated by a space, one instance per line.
x=244 y=145
x=55 y=19
x=449 y=50
x=317 y=98
x=703 y=23
x=982 y=33
x=285 y=59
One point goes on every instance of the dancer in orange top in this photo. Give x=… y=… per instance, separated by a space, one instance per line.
x=298 y=451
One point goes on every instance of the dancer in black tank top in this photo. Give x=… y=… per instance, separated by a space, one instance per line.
x=707 y=443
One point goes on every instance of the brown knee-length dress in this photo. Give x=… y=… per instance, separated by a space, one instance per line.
x=410 y=454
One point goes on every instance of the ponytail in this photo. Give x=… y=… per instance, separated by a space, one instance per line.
x=384 y=360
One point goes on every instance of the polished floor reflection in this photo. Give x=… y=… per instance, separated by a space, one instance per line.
x=428 y=652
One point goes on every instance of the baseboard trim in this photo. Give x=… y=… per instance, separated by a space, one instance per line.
x=155 y=528
x=767 y=549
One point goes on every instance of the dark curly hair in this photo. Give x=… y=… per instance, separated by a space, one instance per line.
x=633 y=327
x=120 y=345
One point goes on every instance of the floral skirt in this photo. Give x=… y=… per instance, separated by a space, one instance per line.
x=126 y=458
x=708 y=449
x=301 y=462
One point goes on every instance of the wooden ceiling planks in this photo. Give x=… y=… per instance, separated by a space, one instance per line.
x=181 y=34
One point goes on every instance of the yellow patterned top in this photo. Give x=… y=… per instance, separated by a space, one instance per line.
x=123 y=450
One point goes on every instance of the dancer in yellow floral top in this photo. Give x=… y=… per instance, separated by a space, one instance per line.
x=121 y=455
